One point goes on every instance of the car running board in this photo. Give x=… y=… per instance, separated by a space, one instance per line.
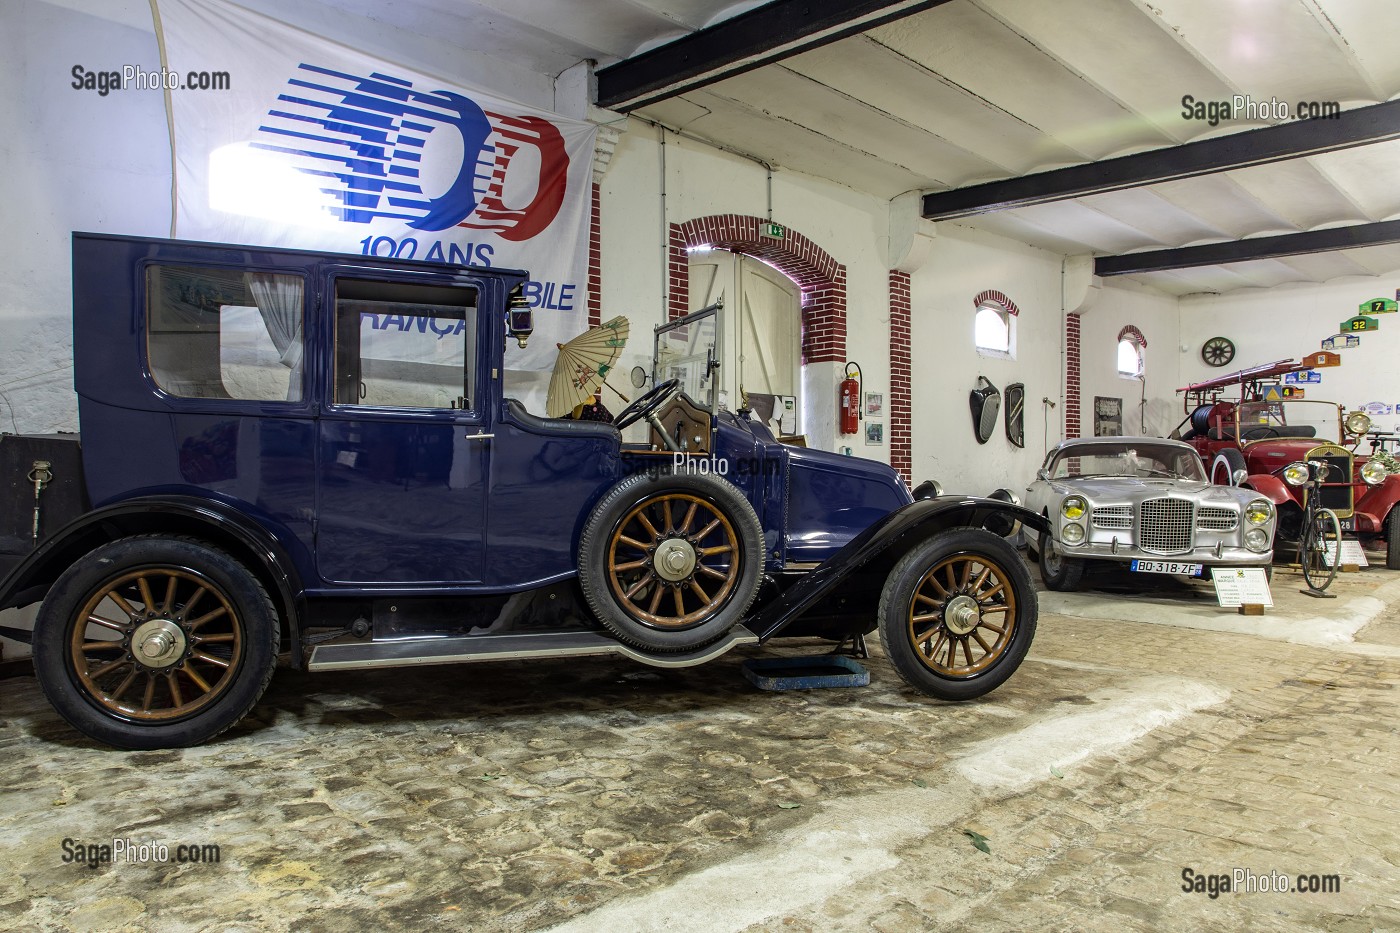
x=417 y=651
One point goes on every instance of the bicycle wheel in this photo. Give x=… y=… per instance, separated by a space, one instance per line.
x=1320 y=549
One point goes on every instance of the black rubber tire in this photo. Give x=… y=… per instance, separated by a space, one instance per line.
x=1317 y=572
x=897 y=602
x=1062 y=575
x=1392 y=540
x=1224 y=466
x=614 y=508
x=252 y=666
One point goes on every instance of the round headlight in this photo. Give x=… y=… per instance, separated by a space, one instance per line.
x=1256 y=539
x=1358 y=423
x=1072 y=534
x=1295 y=474
x=1373 y=473
x=1074 y=507
x=1259 y=512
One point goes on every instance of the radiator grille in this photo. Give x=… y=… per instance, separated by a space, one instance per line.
x=1209 y=518
x=1165 y=525
x=1114 y=517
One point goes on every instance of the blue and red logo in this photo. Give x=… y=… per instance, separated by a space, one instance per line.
x=431 y=159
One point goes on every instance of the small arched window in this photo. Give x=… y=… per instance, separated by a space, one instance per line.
x=994 y=328
x=1131 y=343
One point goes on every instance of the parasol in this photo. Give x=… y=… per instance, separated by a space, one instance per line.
x=583 y=366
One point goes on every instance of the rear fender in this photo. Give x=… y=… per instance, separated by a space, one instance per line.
x=871 y=554
x=205 y=519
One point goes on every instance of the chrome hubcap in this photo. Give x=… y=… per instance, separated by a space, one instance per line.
x=158 y=643
x=961 y=615
x=674 y=559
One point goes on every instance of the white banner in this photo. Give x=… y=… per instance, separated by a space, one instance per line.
x=315 y=145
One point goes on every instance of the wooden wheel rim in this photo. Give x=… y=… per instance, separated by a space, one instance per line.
x=156 y=644
x=962 y=615
x=676 y=520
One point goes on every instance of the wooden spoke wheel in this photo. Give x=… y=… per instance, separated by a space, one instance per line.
x=673 y=560
x=155 y=642
x=958 y=613
x=670 y=562
x=962 y=616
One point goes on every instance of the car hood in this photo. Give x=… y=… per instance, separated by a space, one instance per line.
x=1127 y=489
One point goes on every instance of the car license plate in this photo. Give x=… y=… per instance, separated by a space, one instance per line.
x=1166 y=566
x=1348 y=524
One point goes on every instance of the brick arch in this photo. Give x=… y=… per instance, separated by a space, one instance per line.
x=992 y=296
x=1132 y=333
x=820 y=277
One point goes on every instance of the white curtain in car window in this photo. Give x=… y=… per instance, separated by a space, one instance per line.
x=279 y=301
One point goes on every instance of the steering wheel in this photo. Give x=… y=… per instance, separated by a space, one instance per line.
x=648 y=404
x=1260 y=434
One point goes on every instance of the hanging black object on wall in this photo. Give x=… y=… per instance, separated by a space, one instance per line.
x=985 y=401
x=1015 y=414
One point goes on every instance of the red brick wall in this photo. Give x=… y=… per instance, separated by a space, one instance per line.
x=595 y=261
x=901 y=390
x=1134 y=334
x=820 y=277
x=1071 y=376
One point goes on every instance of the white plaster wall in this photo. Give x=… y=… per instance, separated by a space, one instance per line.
x=1153 y=313
x=73 y=161
x=1289 y=321
x=962 y=263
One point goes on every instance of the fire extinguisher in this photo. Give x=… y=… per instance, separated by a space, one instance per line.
x=850 y=400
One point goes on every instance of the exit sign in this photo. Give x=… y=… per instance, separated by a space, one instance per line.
x=776 y=231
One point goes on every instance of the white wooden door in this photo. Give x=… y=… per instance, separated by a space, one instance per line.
x=763 y=322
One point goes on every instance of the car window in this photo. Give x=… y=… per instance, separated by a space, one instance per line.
x=404 y=345
x=1143 y=461
x=225 y=333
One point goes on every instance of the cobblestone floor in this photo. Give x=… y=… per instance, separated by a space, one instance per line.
x=1134 y=743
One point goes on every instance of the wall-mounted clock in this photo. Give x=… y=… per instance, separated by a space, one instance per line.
x=1217 y=351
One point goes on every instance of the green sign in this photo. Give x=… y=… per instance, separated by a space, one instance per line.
x=1358 y=324
x=778 y=231
x=1378 y=306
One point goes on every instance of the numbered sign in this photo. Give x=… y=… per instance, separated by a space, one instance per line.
x=1378 y=306
x=1359 y=324
x=1302 y=377
x=1320 y=359
x=1341 y=342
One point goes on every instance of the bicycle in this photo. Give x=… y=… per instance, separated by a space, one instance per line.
x=1320 y=537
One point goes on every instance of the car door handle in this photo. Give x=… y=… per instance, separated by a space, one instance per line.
x=478 y=436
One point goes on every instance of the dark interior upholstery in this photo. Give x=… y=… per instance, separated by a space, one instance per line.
x=516 y=413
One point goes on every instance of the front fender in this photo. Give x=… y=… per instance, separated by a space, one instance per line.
x=880 y=546
x=208 y=519
x=1271 y=487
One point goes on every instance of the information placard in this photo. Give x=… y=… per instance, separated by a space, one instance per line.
x=1351 y=553
x=1241 y=586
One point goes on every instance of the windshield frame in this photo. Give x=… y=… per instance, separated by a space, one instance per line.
x=1164 y=453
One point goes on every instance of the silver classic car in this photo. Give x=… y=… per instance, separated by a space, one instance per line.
x=1145 y=502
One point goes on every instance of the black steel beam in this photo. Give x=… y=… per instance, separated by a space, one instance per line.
x=761 y=36
x=1264 y=247
x=1357 y=127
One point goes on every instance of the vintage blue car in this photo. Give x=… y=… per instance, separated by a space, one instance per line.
x=312 y=453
